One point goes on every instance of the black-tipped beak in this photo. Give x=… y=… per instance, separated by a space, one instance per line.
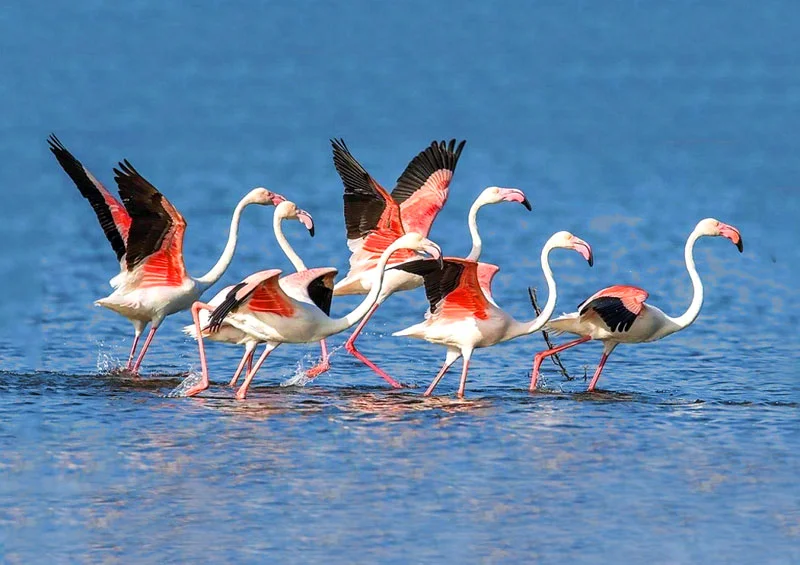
x=740 y=245
x=527 y=204
x=305 y=218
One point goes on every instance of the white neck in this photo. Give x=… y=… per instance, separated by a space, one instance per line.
x=472 y=220
x=518 y=329
x=692 y=312
x=225 y=259
x=297 y=263
x=340 y=324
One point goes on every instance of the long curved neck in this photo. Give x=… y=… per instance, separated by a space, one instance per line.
x=472 y=220
x=225 y=259
x=518 y=329
x=341 y=324
x=297 y=263
x=692 y=312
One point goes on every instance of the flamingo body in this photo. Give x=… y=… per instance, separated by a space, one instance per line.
x=261 y=308
x=619 y=314
x=374 y=219
x=146 y=233
x=461 y=315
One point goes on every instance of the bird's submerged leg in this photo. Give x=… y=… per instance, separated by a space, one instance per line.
x=350 y=346
x=247 y=359
x=150 y=335
x=203 y=384
x=452 y=356
x=542 y=355
x=241 y=394
x=323 y=365
x=464 y=369
x=600 y=366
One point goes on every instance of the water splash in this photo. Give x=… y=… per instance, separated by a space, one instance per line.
x=106 y=362
x=191 y=380
x=299 y=378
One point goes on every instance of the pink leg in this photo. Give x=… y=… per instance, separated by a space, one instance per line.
x=463 y=384
x=241 y=394
x=599 y=370
x=129 y=365
x=247 y=359
x=539 y=357
x=203 y=384
x=135 y=368
x=452 y=356
x=350 y=345
x=323 y=365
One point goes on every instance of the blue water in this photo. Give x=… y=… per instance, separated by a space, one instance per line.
x=624 y=122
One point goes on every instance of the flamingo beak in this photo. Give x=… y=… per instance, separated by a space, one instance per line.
x=277 y=198
x=733 y=234
x=584 y=249
x=434 y=251
x=306 y=219
x=516 y=195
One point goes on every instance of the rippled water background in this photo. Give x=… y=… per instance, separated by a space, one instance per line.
x=624 y=122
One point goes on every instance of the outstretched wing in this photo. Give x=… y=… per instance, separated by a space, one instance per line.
x=260 y=292
x=618 y=306
x=111 y=214
x=372 y=217
x=424 y=186
x=155 y=239
x=453 y=291
x=486 y=273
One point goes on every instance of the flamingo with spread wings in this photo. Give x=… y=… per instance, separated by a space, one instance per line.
x=146 y=233
x=374 y=218
x=263 y=308
x=463 y=316
x=319 y=290
x=619 y=314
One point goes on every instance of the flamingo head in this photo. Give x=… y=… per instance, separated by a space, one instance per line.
x=420 y=244
x=495 y=195
x=713 y=227
x=288 y=210
x=566 y=240
x=264 y=197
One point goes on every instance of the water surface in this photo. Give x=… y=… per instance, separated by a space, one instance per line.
x=625 y=124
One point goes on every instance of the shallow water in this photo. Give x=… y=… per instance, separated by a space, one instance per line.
x=624 y=124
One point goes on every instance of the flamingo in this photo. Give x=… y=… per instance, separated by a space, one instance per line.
x=226 y=333
x=374 y=218
x=263 y=308
x=146 y=233
x=618 y=314
x=463 y=318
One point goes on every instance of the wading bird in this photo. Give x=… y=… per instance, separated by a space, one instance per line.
x=260 y=307
x=374 y=218
x=462 y=317
x=321 y=296
x=146 y=233
x=618 y=314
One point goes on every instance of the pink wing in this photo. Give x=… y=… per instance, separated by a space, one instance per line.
x=618 y=306
x=424 y=186
x=486 y=273
x=155 y=240
x=452 y=290
x=260 y=292
x=111 y=214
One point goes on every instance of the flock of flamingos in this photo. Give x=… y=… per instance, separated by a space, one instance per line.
x=387 y=237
